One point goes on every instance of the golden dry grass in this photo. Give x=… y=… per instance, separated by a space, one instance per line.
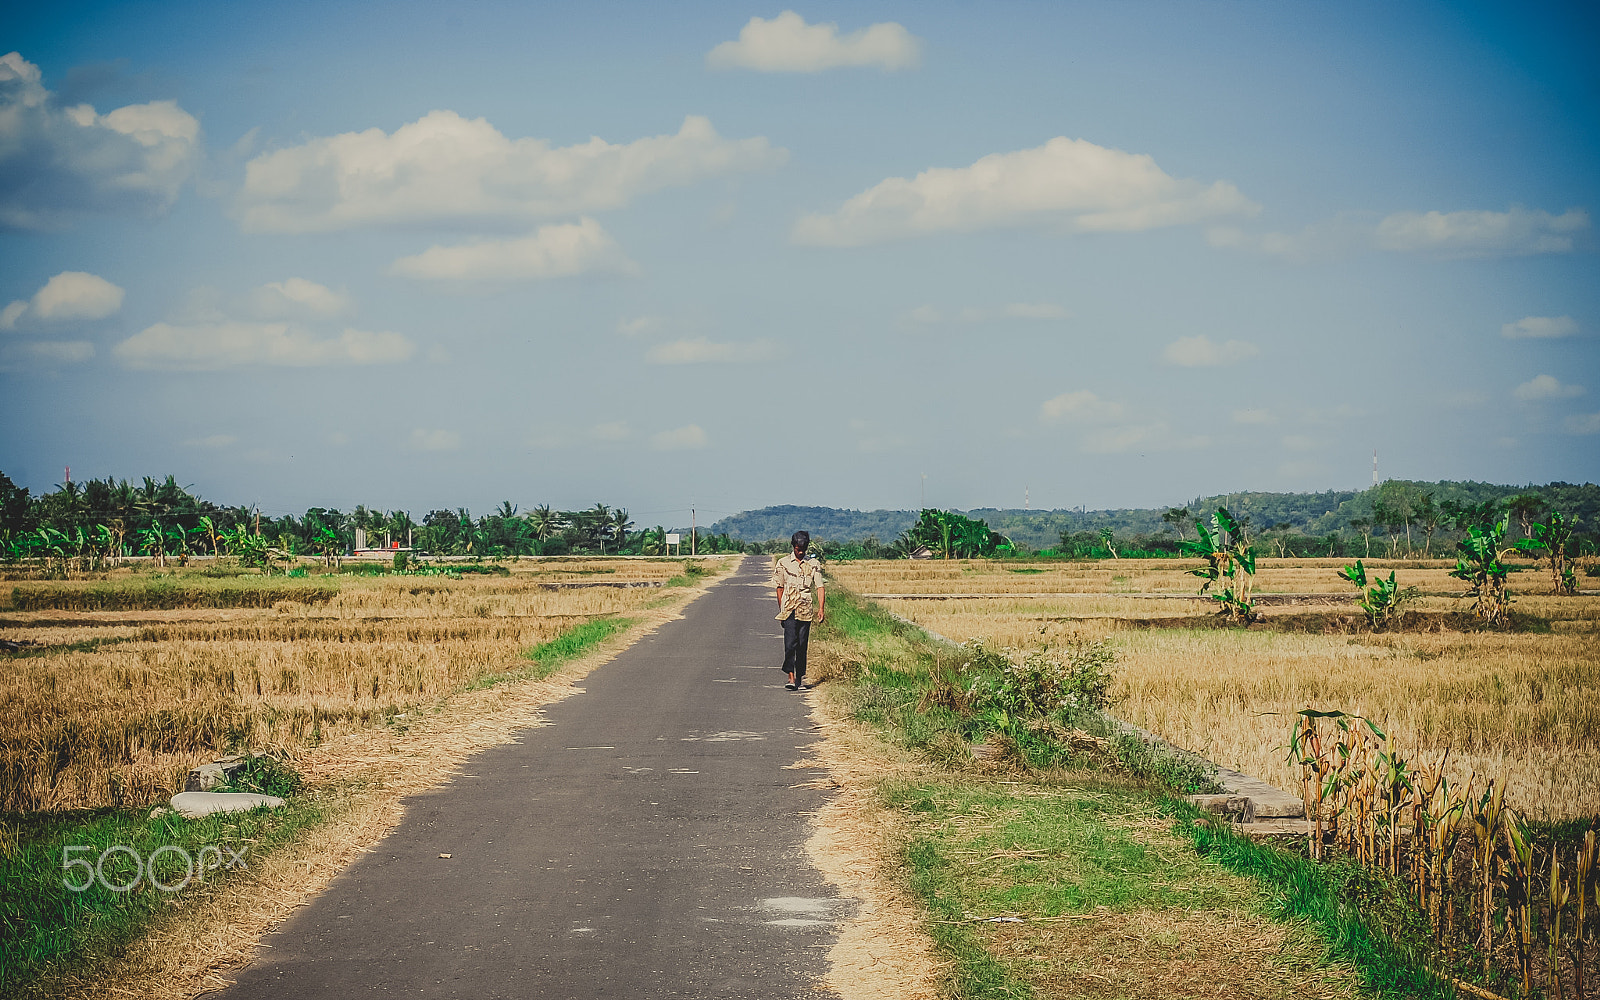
x=124 y=703
x=1520 y=706
x=1128 y=576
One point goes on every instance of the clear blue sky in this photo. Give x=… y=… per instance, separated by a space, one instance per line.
x=724 y=256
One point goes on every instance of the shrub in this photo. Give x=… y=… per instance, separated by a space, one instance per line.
x=1047 y=681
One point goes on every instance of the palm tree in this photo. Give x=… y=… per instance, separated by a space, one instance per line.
x=599 y=523
x=621 y=526
x=544 y=521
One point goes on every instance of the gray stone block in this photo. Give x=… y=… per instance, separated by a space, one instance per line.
x=208 y=776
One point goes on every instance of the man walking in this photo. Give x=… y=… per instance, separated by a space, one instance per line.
x=795 y=576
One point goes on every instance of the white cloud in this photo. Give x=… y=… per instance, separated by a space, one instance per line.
x=639 y=326
x=1106 y=427
x=1201 y=352
x=1540 y=328
x=448 y=169
x=297 y=297
x=1299 y=442
x=59 y=163
x=1344 y=233
x=699 y=350
x=1254 y=416
x=235 y=343
x=1067 y=184
x=1582 y=423
x=212 y=441
x=1033 y=310
x=684 y=438
x=1515 y=232
x=1081 y=406
x=1542 y=387
x=787 y=44
x=557 y=251
x=611 y=430
x=434 y=440
x=926 y=315
x=67 y=296
x=33 y=354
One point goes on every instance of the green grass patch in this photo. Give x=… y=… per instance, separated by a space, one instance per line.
x=548 y=657
x=145 y=593
x=1364 y=916
x=693 y=571
x=48 y=931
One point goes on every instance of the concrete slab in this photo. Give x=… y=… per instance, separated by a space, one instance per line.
x=194 y=805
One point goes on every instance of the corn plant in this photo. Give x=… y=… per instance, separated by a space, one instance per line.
x=1588 y=895
x=1229 y=557
x=1381 y=599
x=1516 y=874
x=1447 y=844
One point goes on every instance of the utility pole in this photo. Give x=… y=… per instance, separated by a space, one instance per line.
x=1025 y=498
x=694 y=528
x=258 y=520
x=69 y=473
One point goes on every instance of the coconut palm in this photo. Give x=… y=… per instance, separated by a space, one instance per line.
x=544 y=521
x=621 y=525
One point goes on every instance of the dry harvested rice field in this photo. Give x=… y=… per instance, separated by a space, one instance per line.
x=114 y=707
x=1523 y=706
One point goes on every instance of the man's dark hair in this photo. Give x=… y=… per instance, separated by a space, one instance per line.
x=800 y=538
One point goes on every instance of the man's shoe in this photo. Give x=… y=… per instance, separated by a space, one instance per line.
x=802 y=686
x=790 y=686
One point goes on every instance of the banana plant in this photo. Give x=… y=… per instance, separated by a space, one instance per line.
x=153 y=541
x=208 y=529
x=1552 y=539
x=1381 y=599
x=1229 y=557
x=102 y=543
x=1482 y=565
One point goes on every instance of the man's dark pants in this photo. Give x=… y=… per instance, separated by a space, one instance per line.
x=796 y=634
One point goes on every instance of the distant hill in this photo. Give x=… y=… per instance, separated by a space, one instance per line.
x=1315 y=514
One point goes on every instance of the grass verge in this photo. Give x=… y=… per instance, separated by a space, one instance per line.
x=1045 y=870
x=548 y=657
x=49 y=931
x=1360 y=912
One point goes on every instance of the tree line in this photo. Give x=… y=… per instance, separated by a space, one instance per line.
x=90 y=524
x=1398 y=518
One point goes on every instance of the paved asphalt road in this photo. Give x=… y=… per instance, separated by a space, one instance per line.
x=646 y=843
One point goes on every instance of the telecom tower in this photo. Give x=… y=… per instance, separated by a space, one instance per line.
x=1374 y=466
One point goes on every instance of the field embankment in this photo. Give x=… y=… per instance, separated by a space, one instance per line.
x=1520 y=706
